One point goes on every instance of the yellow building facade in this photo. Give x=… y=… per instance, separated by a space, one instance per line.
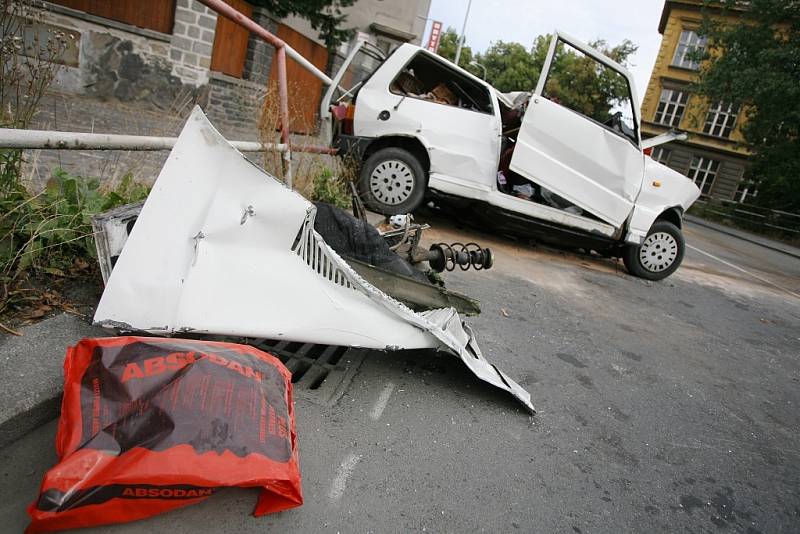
x=714 y=155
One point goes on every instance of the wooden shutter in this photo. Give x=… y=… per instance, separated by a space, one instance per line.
x=157 y=15
x=230 y=42
x=305 y=89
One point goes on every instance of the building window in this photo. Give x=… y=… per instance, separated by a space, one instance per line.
x=661 y=154
x=689 y=45
x=745 y=190
x=671 y=106
x=721 y=119
x=703 y=171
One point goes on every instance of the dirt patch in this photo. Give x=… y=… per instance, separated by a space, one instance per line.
x=36 y=298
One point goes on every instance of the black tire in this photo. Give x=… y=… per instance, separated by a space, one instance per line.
x=658 y=250
x=392 y=181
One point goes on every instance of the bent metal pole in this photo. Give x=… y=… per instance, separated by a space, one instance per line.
x=283 y=92
x=227 y=11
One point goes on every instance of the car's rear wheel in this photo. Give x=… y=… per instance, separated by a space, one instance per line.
x=392 y=181
x=659 y=255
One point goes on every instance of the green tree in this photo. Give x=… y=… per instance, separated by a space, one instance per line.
x=325 y=16
x=581 y=83
x=575 y=78
x=754 y=61
x=448 y=44
x=510 y=66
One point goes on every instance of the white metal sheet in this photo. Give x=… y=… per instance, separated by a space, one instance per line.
x=224 y=248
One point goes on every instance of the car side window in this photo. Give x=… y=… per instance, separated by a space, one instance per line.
x=426 y=78
x=592 y=89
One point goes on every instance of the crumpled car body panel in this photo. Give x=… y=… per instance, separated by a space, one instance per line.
x=221 y=247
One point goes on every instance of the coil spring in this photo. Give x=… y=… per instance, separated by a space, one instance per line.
x=464 y=255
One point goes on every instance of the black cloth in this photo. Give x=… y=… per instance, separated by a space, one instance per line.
x=357 y=239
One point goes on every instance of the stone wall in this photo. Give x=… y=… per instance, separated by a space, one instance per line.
x=234 y=105
x=86 y=113
x=258 y=61
x=127 y=80
x=130 y=64
x=113 y=67
x=192 y=41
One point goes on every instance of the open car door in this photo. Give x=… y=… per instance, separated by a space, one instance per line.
x=581 y=146
x=362 y=60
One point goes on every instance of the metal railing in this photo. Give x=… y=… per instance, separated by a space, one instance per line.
x=749 y=217
x=53 y=140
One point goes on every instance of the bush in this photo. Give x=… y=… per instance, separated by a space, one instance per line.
x=332 y=189
x=47 y=231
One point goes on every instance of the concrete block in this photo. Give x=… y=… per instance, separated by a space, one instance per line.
x=179 y=28
x=206 y=21
x=185 y=16
x=208 y=36
x=31 y=373
x=202 y=48
x=181 y=42
x=190 y=59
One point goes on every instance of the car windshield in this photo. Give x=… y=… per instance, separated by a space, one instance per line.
x=364 y=64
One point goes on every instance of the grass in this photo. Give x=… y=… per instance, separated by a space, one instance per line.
x=49 y=234
x=317 y=177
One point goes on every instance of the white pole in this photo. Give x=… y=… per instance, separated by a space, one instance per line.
x=462 y=37
x=43 y=139
x=306 y=64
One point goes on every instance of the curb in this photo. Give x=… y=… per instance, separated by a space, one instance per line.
x=31 y=376
x=743 y=236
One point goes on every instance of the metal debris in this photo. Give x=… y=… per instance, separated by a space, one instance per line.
x=273 y=277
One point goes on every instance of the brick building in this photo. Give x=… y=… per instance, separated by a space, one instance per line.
x=714 y=155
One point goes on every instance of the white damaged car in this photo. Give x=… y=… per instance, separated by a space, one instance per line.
x=423 y=129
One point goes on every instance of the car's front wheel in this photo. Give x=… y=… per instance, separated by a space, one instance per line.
x=392 y=181
x=659 y=255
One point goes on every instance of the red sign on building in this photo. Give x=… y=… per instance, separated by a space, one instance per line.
x=433 y=40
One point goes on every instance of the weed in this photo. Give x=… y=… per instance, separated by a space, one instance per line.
x=319 y=177
x=45 y=232
x=331 y=189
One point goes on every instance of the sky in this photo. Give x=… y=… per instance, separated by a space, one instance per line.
x=522 y=20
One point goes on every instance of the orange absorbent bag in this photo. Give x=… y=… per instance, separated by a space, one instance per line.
x=148 y=425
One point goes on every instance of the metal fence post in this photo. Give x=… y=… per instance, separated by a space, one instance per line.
x=283 y=94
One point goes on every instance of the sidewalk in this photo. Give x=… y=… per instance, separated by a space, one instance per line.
x=30 y=372
x=746 y=236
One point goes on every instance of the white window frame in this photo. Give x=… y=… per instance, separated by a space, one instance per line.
x=721 y=119
x=671 y=106
x=688 y=43
x=745 y=189
x=661 y=154
x=703 y=172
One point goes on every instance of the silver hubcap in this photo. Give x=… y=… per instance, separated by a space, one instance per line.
x=658 y=252
x=392 y=182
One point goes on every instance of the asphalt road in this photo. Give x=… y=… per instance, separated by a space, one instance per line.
x=662 y=407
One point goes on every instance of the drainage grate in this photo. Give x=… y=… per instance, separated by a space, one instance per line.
x=320 y=373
